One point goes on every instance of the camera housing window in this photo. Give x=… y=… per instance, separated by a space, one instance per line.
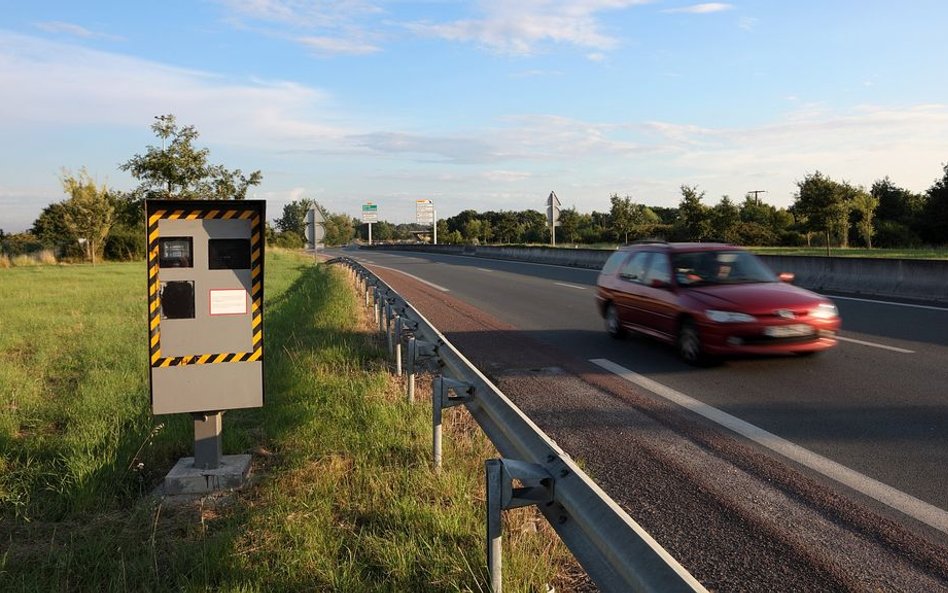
x=175 y=252
x=228 y=254
x=177 y=300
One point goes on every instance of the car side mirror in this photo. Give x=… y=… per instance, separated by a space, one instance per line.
x=786 y=277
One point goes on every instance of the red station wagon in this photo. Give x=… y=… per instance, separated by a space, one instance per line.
x=711 y=299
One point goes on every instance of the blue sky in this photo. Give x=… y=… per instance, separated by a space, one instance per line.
x=487 y=104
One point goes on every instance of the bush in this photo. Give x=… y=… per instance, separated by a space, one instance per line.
x=894 y=234
x=753 y=233
x=287 y=240
x=124 y=244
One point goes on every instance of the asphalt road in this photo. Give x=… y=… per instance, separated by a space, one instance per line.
x=877 y=404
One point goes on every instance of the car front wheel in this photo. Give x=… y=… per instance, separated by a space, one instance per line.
x=689 y=343
x=613 y=327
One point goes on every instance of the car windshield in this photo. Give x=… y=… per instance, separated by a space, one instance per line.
x=719 y=267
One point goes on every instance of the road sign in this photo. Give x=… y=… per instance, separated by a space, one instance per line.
x=424 y=212
x=553 y=210
x=370 y=212
x=315 y=227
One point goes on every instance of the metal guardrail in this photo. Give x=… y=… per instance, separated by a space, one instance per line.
x=615 y=551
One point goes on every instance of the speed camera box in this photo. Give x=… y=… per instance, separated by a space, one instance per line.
x=205 y=304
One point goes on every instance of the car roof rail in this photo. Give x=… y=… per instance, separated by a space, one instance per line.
x=648 y=242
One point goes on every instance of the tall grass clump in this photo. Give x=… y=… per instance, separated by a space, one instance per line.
x=342 y=498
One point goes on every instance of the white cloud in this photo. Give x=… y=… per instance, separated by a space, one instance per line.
x=338 y=45
x=748 y=23
x=52 y=84
x=705 y=8
x=302 y=13
x=75 y=30
x=519 y=28
x=506 y=176
x=341 y=27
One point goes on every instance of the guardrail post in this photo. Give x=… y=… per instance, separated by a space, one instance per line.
x=417 y=350
x=412 y=355
x=536 y=488
x=389 y=314
x=441 y=397
x=375 y=305
x=494 y=470
x=398 y=345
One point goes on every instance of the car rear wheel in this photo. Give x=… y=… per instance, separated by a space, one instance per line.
x=689 y=343
x=613 y=326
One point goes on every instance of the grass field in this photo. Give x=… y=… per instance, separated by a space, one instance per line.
x=342 y=497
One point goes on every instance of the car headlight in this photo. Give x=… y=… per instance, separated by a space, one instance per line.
x=825 y=311
x=729 y=316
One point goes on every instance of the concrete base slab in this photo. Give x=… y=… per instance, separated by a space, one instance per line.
x=184 y=478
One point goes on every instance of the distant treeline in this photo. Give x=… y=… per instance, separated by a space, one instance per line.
x=824 y=212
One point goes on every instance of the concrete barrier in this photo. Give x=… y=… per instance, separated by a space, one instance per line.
x=914 y=279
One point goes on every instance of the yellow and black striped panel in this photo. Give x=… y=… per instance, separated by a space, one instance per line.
x=256 y=292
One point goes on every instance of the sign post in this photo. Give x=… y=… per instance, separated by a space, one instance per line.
x=426 y=214
x=553 y=215
x=205 y=326
x=370 y=215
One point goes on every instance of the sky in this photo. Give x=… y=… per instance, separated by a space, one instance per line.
x=484 y=105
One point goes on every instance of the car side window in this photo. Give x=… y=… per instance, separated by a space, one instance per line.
x=659 y=269
x=634 y=269
x=612 y=264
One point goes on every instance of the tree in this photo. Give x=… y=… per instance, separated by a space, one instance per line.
x=445 y=236
x=180 y=170
x=294 y=217
x=508 y=230
x=570 y=224
x=934 y=227
x=340 y=228
x=725 y=219
x=621 y=214
x=898 y=215
x=693 y=221
x=534 y=225
x=51 y=230
x=473 y=230
x=865 y=205
x=88 y=213
x=823 y=206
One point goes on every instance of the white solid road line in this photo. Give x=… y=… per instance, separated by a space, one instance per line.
x=875 y=302
x=571 y=285
x=422 y=280
x=874 y=345
x=905 y=503
x=485 y=270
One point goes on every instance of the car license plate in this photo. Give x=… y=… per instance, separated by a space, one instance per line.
x=788 y=331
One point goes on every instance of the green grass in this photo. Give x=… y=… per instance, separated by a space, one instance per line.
x=342 y=500
x=904 y=253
